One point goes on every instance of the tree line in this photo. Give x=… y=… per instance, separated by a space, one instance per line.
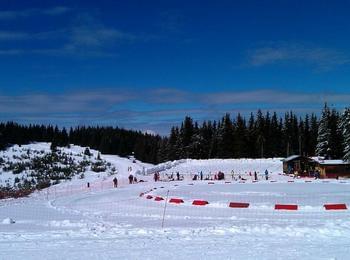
x=261 y=135
x=108 y=140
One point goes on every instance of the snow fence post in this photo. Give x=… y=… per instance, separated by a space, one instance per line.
x=166 y=202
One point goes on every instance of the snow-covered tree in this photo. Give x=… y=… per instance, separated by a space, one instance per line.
x=345 y=127
x=324 y=133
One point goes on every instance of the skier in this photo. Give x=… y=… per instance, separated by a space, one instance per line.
x=233 y=174
x=155 y=177
x=255 y=176
x=266 y=174
x=115 y=182
x=177 y=176
x=131 y=179
x=201 y=174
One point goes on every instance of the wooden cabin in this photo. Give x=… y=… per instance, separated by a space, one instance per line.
x=333 y=168
x=298 y=163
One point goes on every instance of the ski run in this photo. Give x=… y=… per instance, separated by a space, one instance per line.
x=88 y=218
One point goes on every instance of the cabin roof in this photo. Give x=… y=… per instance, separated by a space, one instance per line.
x=291 y=158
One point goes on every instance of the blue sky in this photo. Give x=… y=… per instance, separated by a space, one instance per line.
x=146 y=64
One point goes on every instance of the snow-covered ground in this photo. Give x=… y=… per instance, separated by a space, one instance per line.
x=71 y=221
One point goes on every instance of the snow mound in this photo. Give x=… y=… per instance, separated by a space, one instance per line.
x=8 y=221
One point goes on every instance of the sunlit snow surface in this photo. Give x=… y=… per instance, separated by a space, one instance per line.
x=70 y=221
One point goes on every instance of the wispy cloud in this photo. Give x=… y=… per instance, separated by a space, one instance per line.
x=15 y=14
x=94 y=40
x=159 y=107
x=87 y=37
x=319 y=58
x=13 y=36
x=11 y=52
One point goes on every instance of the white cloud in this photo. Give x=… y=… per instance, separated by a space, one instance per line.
x=87 y=37
x=15 y=14
x=146 y=109
x=319 y=58
x=13 y=36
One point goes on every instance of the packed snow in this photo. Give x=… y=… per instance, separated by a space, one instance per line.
x=73 y=221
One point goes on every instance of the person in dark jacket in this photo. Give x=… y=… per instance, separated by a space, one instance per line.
x=115 y=182
x=131 y=179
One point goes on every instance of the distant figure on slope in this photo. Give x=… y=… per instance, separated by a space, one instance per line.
x=177 y=176
x=266 y=174
x=131 y=179
x=115 y=182
x=135 y=179
x=255 y=176
x=201 y=174
x=221 y=175
x=233 y=174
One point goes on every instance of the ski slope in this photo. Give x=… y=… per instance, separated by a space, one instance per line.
x=71 y=221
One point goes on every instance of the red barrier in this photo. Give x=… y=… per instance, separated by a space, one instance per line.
x=335 y=206
x=174 y=200
x=158 y=199
x=149 y=197
x=286 y=207
x=200 y=202
x=238 y=205
x=210 y=182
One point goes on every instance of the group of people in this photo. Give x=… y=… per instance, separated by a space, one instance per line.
x=217 y=176
x=312 y=174
x=255 y=175
x=132 y=178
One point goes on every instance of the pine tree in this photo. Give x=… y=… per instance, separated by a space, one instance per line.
x=336 y=137
x=225 y=138
x=324 y=134
x=345 y=126
x=313 y=135
x=240 y=138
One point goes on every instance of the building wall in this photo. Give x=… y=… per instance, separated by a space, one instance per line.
x=332 y=171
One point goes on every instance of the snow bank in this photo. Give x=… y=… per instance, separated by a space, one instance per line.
x=8 y=221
